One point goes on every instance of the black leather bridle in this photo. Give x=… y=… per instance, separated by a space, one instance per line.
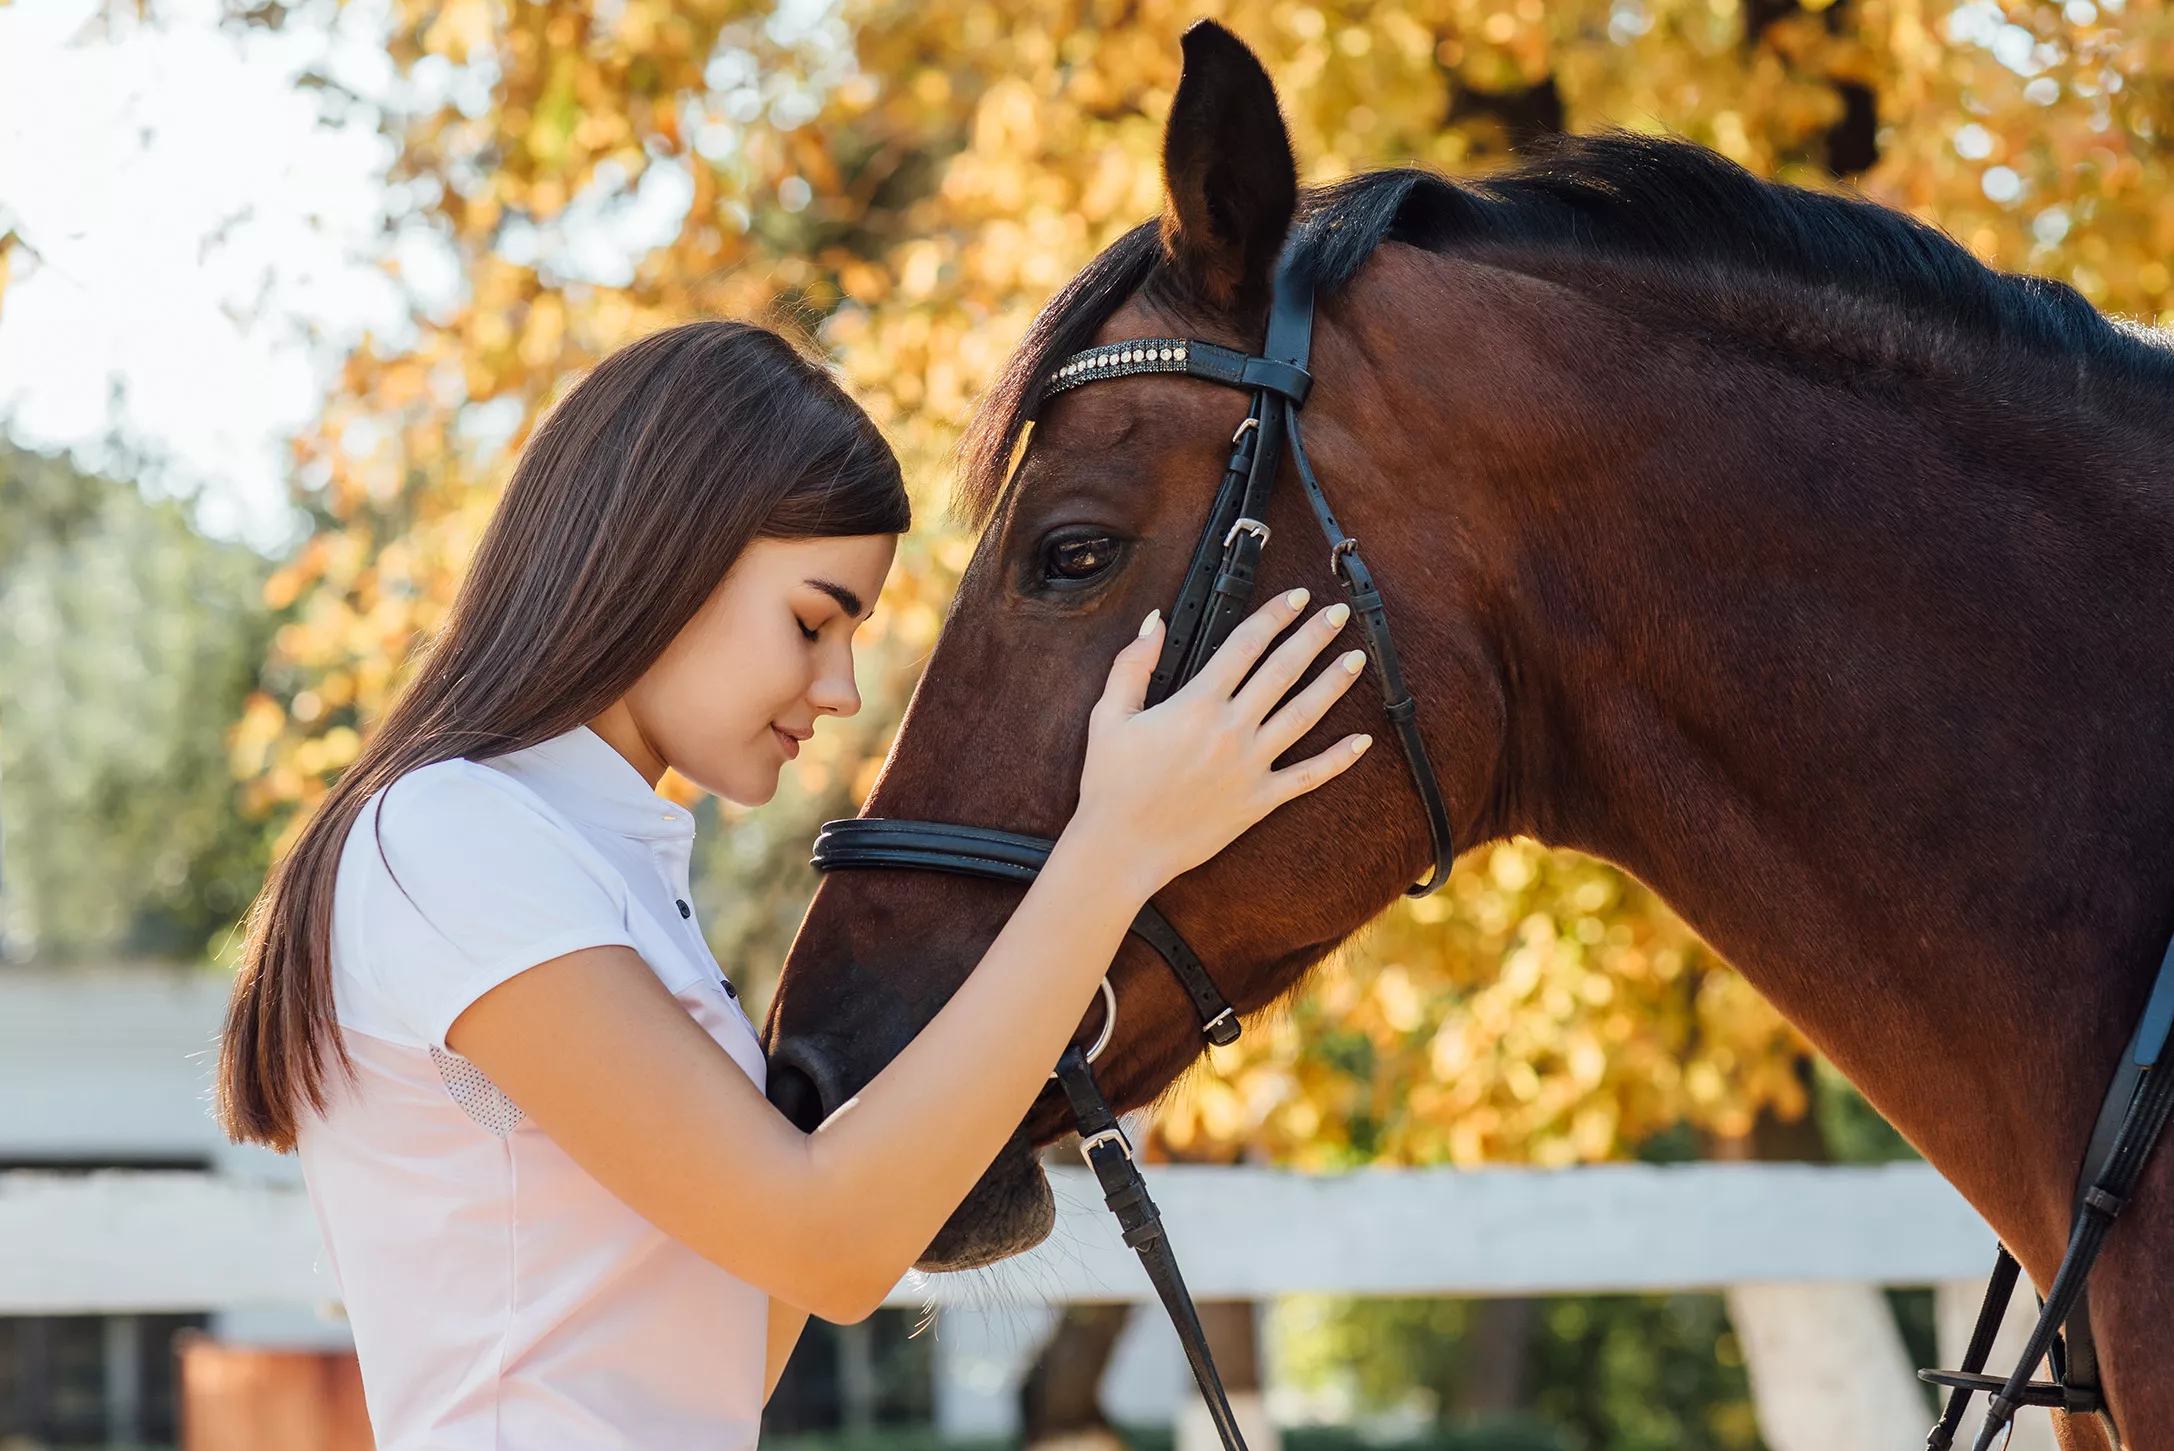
x=1215 y=595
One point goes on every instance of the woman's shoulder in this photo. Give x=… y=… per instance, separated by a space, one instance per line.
x=459 y=829
x=449 y=808
x=454 y=877
x=457 y=795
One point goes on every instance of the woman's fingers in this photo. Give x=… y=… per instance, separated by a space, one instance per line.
x=1133 y=667
x=1282 y=669
x=1176 y=784
x=1226 y=668
x=1303 y=711
x=1296 y=780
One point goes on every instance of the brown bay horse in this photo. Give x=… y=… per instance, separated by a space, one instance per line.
x=1760 y=541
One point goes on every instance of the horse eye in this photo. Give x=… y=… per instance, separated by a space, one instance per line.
x=1078 y=557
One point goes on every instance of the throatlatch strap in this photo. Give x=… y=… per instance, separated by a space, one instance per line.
x=1396 y=701
x=1109 y=1154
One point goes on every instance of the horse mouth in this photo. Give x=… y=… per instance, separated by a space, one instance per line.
x=1008 y=1211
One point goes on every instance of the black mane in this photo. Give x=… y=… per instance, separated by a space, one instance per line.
x=1615 y=195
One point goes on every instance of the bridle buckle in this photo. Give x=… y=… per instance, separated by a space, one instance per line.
x=1243 y=525
x=1092 y=1142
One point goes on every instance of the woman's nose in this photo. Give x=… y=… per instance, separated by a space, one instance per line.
x=836 y=694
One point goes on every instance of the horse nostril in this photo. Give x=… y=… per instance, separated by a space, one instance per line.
x=796 y=1086
x=796 y=1097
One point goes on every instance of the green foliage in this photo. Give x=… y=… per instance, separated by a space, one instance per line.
x=1643 y=1373
x=1602 y=1372
x=894 y=1367
x=1854 y=1131
x=127 y=644
x=885 y=1438
x=1507 y=1435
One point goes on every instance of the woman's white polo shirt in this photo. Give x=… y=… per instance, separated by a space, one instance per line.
x=501 y=1299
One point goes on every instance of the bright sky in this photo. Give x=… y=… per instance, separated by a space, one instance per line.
x=204 y=234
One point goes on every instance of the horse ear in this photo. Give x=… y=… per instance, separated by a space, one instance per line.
x=1227 y=171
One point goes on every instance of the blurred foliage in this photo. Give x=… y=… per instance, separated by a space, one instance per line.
x=1598 y=1371
x=894 y=1366
x=1621 y=1372
x=127 y=643
x=1853 y=1130
x=1504 y=1437
x=904 y=184
x=1643 y=1373
x=1543 y=1008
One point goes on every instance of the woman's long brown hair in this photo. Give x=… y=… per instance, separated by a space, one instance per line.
x=627 y=508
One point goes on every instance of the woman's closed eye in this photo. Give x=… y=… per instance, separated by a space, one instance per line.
x=807 y=633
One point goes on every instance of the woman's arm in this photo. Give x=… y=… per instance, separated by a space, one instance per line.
x=594 y=1049
x=602 y=1058
x=786 y=1323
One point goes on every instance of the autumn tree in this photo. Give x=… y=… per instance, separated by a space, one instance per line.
x=903 y=185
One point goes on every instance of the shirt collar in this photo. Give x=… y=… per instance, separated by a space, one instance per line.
x=581 y=774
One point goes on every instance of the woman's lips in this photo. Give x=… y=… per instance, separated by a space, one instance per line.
x=791 y=745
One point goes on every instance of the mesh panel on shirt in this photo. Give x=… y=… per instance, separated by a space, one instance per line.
x=477 y=1096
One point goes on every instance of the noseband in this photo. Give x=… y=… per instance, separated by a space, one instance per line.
x=1215 y=595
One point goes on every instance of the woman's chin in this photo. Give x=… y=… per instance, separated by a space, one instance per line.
x=1009 y=1211
x=745 y=787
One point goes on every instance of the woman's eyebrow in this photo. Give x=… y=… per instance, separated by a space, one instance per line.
x=847 y=600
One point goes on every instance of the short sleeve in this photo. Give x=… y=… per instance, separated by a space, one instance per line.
x=457 y=879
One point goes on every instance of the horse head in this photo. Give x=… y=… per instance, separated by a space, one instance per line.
x=1092 y=530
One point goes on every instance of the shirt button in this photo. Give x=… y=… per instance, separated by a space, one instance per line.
x=684 y=909
x=730 y=991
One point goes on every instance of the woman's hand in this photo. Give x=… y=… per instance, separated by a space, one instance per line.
x=1166 y=788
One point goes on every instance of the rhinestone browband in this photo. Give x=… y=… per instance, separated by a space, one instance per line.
x=1115 y=360
x=1188 y=356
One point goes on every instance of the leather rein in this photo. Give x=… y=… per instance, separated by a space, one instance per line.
x=1215 y=595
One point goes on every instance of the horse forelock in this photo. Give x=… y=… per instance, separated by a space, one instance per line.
x=1609 y=198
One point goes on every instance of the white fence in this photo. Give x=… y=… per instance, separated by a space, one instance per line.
x=112 y=1067
x=125 y=1242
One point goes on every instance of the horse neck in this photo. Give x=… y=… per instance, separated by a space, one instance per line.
x=1873 y=690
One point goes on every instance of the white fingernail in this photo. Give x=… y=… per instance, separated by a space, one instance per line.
x=1360 y=743
x=1296 y=599
x=1147 y=626
x=1336 y=615
x=1354 y=661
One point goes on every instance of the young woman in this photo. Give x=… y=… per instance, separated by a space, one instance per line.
x=529 y=1107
